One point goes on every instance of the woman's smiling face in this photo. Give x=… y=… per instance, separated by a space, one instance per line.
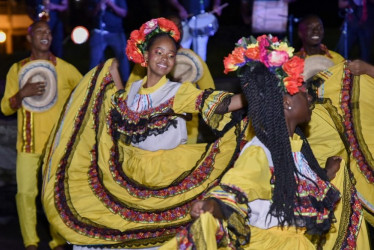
x=161 y=56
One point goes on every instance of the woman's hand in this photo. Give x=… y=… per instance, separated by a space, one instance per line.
x=332 y=166
x=113 y=69
x=359 y=67
x=209 y=205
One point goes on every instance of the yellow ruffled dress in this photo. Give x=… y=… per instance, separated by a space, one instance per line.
x=352 y=98
x=249 y=183
x=99 y=190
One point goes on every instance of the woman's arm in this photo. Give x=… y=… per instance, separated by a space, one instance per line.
x=113 y=69
x=238 y=101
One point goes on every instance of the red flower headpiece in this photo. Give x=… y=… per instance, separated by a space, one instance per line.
x=138 y=41
x=277 y=56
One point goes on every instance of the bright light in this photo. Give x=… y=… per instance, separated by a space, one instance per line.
x=2 y=36
x=79 y=35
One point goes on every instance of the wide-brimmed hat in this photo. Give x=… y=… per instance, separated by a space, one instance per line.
x=39 y=71
x=188 y=67
x=315 y=64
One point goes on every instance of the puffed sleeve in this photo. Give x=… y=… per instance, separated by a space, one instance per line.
x=208 y=102
x=11 y=88
x=248 y=180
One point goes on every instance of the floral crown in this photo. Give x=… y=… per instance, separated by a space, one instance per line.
x=137 y=44
x=276 y=55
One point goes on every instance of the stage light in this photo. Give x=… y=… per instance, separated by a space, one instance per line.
x=79 y=35
x=2 y=36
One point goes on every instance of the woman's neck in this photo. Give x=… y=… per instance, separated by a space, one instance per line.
x=152 y=80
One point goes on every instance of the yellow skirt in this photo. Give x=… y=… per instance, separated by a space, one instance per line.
x=352 y=98
x=97 y=191
x=204 y=236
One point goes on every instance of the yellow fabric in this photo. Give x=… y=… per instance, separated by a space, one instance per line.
x=209 y=224
x=150 y=169
x=325 y=141
x=272 y=238
x=205 y=82
x=28 y=163
x=362 y=95
x=336 y=57
x=277 y=238
x=67 y=78
x=252 y=162
x=27 y=190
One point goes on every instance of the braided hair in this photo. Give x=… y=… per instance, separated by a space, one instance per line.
x=265 y=109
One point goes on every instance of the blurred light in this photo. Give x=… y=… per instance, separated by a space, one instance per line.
x=2 y=36
x=79 y=35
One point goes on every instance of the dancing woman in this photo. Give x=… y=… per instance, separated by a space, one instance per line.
x=118 y=172
x=276 y=194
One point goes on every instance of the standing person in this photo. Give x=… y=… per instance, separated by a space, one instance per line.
x=120 y=173
x=276 y=194
x=311 y=33
x=359 y=21
x=186 y=9
x=34 y=128
x=56 y=9
x=108 y=31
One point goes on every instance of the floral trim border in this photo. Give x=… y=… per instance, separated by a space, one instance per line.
x=346 y=106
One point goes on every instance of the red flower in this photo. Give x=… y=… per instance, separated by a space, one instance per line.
x=229 y=64
x=238 y=54
x=133 y=52
x=292 y=84
x=253 y=53
x=169 y=26
x=294 y=66
x=137 y=36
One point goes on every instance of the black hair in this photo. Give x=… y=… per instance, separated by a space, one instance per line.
x=155 y=37
x=30 y=29
x=307 y=17
x=265 y=110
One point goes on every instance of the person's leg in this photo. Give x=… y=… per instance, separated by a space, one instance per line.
x=186 y=39
x=199 y=45
x=27 y=190
x=350 y=38
x=97 y=48
x=117 y=42
x=57 y=39
x=364 y=38
x=57 y=241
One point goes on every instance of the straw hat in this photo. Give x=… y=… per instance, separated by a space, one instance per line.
x=39 y=71
x=315 y=64
x=188 y=67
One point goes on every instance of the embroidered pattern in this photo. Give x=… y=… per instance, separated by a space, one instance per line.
x=346 y=106
x=139 y=125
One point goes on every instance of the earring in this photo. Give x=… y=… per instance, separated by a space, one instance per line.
x=289 y=107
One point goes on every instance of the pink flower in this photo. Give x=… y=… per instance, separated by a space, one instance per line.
x=276 y=58
x=149 y=26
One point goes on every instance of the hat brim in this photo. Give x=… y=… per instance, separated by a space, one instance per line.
x=315 y=64
x=39 y=71
x=188 y=67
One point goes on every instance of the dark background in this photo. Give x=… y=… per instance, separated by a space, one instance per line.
x=231 y=28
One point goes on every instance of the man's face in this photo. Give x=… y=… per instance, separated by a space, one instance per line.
x=40 y=37
x=311 y=31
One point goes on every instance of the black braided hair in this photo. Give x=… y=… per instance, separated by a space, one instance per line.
x=265 y=109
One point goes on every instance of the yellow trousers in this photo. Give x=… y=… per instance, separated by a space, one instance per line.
x=27 y=189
